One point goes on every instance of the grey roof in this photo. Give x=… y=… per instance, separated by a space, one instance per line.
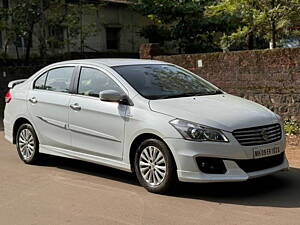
x=113 y=62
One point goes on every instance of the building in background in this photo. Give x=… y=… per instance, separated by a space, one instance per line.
x=118 y=27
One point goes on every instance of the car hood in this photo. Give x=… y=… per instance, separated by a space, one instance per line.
x=225 y=112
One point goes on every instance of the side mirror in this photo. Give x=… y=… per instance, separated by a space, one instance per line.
x=114 y=96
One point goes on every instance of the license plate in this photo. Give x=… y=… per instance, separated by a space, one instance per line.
x=265 y=152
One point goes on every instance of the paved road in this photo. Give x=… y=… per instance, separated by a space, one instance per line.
x=62 y=191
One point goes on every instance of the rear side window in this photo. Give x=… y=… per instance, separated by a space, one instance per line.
x=40 y=82
x=59 y=79
x=93 y=81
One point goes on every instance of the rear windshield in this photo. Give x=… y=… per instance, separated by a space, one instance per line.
x=164 y=81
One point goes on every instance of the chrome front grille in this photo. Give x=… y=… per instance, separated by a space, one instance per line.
x=258 y=135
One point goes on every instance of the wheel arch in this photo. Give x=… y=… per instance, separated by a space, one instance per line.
x=17 y=124
x=138 y=140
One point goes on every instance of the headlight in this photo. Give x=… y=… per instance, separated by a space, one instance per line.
x=196 y=132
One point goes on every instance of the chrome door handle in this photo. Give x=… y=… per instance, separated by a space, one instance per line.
x=75 y=107
x=33 y=100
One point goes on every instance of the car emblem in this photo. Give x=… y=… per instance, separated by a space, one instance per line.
x=264 y=134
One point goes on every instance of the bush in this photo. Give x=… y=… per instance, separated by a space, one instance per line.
x=291 y=127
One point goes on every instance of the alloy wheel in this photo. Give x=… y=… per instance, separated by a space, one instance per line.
x=152 y=165
x=26 y=144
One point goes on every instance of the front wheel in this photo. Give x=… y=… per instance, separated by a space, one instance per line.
x=27 y=144
x=155 y=167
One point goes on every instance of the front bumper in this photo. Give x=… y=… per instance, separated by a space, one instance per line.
x=185 y=154
x=233 y=174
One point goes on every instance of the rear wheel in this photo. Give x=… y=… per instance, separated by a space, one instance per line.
x=27 y=144
x=154 y=166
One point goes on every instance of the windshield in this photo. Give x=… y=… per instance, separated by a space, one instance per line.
x=165 y=81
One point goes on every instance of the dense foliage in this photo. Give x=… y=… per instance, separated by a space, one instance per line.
x=48 y=20
x=184 y=22
x=204 y=26
x=268 y=19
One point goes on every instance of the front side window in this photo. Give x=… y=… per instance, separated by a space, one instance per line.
x=59 y=79
x=93 y=81
x=165 y=81
x=40 y=82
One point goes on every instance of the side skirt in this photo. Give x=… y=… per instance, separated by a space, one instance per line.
x=85 y=157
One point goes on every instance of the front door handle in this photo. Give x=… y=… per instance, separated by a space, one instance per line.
x=75 y=107
x=33 y=100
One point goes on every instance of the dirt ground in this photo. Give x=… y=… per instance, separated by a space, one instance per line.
x=63 y=191
x=293 y=151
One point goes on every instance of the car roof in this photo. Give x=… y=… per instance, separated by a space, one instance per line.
x=112 y=62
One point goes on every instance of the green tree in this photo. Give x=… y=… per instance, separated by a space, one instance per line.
x=156 y=33
x=267 y=19
x=24 y=19
x=184 y=20
x=18 y=22
x=5 y=25
x=70 y=17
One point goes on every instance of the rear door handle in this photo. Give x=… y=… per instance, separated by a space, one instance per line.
x=33 y=100
x=75 y=107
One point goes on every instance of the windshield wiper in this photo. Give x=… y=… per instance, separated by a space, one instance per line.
x=177 y=95
x=216 y=92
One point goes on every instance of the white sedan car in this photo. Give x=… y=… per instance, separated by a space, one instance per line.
x=152 y=118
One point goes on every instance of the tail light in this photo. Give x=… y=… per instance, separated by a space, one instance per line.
x=8 y=97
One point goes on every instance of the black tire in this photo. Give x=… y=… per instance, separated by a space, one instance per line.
x=170 y=178
x=34 y=152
